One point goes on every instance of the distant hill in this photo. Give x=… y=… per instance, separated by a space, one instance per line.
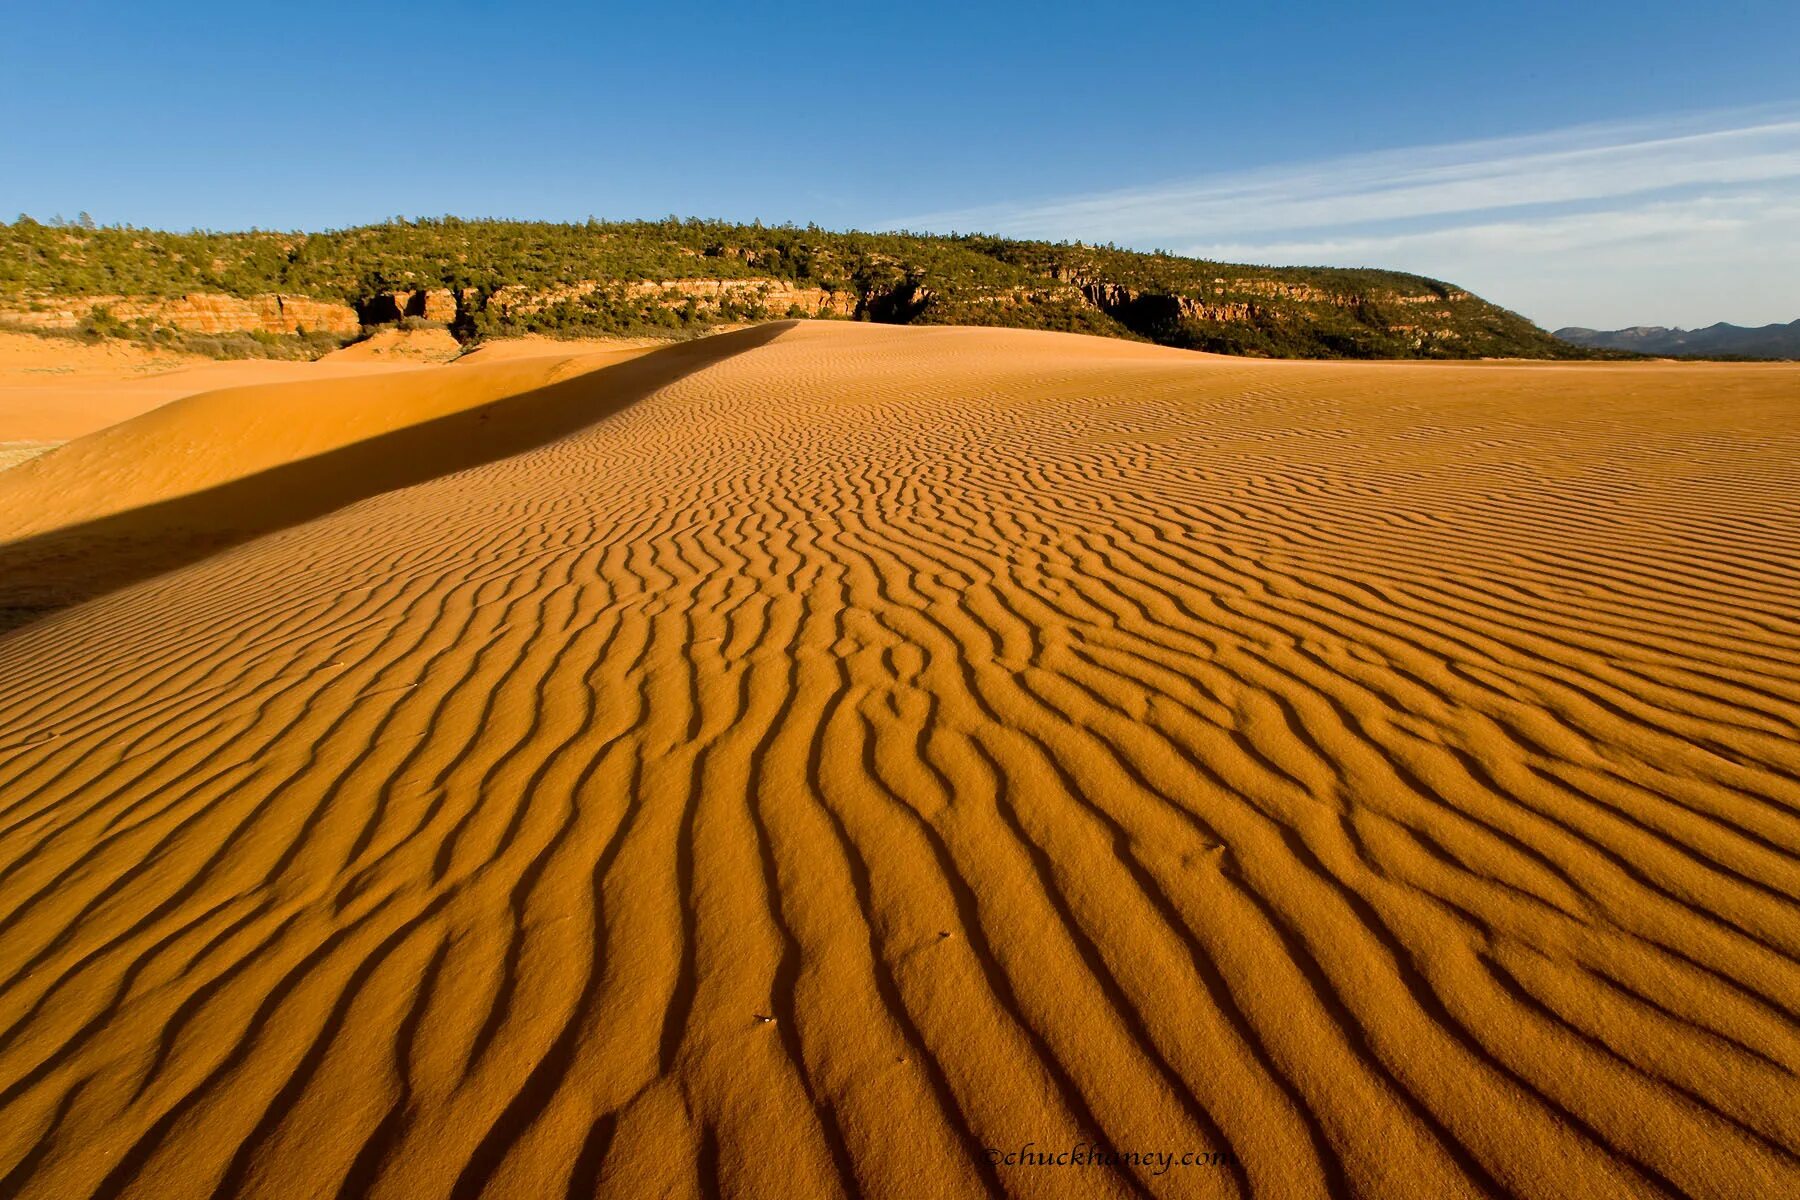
x=491 y=278
x=1721 y=340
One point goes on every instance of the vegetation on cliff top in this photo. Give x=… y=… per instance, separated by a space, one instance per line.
x=101 y=325
x=581 y=276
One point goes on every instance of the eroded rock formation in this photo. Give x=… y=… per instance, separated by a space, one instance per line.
x=198 y=312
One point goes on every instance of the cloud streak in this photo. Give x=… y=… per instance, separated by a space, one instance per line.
x=1574 y=223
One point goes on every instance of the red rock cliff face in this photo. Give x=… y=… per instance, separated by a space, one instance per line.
x=435 y=304
x=774 y=297
x=198 y=312
x=1108 y=297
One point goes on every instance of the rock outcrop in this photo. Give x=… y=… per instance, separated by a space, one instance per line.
x=1116 y=299
x=198 y=312
x=753 y=296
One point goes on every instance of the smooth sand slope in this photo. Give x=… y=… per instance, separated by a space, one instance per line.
x=55 y=389
x=801 y=762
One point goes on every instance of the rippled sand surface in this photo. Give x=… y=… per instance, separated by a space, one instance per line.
x=825 y=759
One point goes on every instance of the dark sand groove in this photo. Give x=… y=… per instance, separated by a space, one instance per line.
x=796 y=763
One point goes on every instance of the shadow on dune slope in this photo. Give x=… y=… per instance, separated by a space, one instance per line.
x=43 y=573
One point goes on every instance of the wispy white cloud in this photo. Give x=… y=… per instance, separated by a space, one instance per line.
x=1569 y=226
x=1673 y=228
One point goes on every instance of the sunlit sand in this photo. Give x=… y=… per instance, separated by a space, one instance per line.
x=824 y=759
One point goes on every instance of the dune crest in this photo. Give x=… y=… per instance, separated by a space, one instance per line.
x=825 y=759
x=205 y=472
x=53 y=389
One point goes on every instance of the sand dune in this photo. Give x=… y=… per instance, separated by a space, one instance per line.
x=208 y=471
x=825 y=759
x=55 y=389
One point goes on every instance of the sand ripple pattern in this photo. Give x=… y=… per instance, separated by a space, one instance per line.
x=881 y=746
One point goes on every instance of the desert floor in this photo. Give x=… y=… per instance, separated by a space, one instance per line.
x=830 y=759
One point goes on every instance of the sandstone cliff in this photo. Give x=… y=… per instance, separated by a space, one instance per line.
x=762 y=296
x=197 y=312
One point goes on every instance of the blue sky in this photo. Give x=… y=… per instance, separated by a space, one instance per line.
x=1598 y=164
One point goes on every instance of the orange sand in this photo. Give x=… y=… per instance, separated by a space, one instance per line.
x=54 y=389
x=798 y=762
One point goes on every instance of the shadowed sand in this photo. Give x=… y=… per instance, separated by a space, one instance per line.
x=793 y=763
x=203 y=473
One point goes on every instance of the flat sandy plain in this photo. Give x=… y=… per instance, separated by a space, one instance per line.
x=825 y=759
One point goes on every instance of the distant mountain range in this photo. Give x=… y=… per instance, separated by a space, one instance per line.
x=1768 y=341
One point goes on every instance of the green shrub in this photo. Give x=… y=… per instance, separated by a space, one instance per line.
x=898 y=276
